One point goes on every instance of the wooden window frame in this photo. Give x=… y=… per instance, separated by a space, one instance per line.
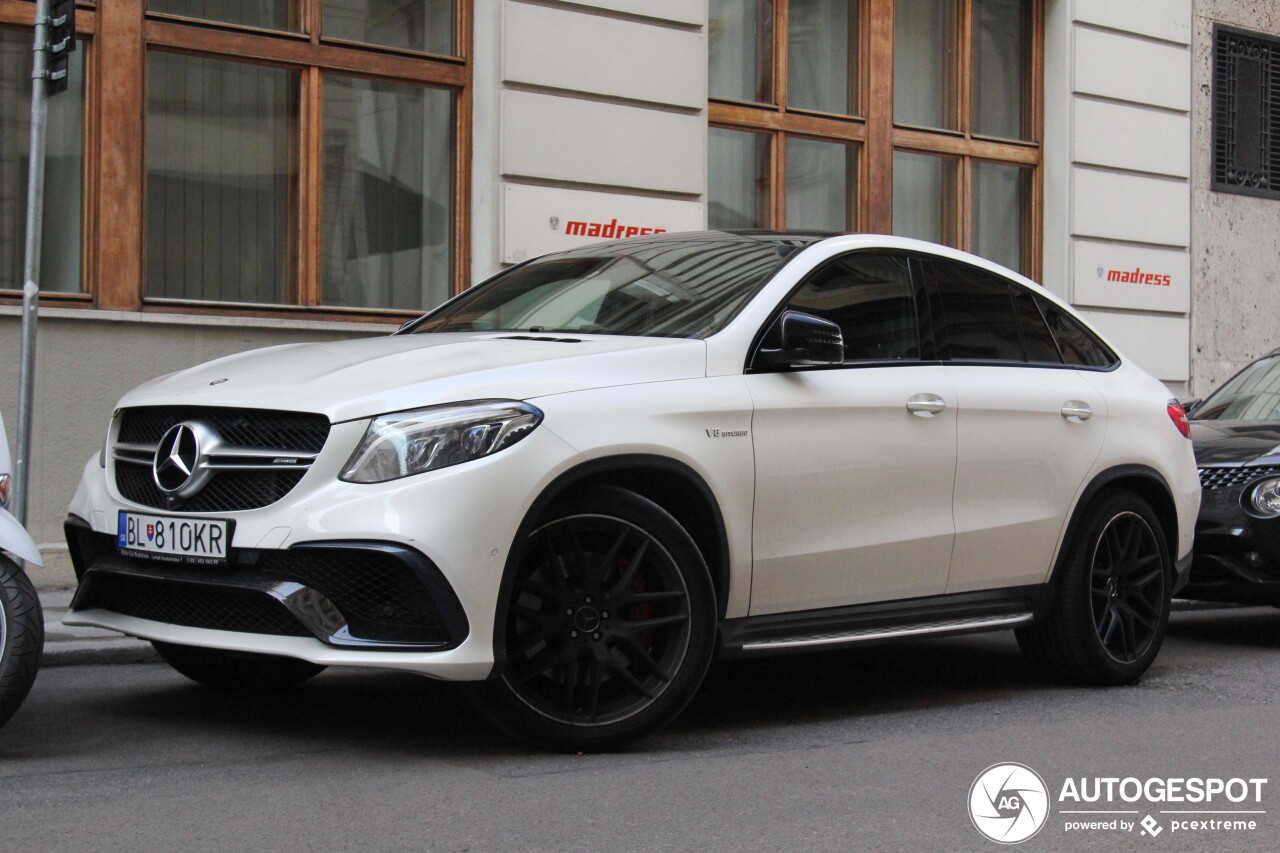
x=113 y=242
x=874 y=131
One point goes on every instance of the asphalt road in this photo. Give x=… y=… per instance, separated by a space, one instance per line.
x=868 y=750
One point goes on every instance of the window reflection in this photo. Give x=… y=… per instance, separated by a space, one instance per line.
x=219 y=178
x=388 y=194
x=425 y=26
x=64 y=168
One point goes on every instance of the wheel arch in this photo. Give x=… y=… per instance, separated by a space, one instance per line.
x=1144 y=481
x=669 y=483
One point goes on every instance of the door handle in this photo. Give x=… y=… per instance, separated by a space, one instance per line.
x=926 y=405
x=1077 y=410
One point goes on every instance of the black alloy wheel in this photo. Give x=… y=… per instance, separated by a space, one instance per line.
x=1127 y=585
x=609 y=624
x=1113 y=595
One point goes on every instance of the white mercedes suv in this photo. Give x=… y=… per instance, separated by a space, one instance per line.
x=578 y=482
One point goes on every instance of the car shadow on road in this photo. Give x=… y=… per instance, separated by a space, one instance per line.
x=408 y=714
x=1233 y=626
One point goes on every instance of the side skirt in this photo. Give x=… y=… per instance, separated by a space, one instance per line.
x=836 y=627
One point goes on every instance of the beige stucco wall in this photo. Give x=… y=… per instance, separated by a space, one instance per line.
x=1235 y=239
x=86 y=360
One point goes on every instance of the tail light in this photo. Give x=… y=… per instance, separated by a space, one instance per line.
x=1179 y=418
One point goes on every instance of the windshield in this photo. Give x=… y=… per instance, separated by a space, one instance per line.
x=663 y=288
x=1252 y=395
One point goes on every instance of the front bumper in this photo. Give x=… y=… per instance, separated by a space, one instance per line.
x=449 y=532
x=1237 y=556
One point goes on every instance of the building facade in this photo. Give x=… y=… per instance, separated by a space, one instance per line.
x=228 y=174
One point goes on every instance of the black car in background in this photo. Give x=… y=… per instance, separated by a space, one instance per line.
x=1236 y=431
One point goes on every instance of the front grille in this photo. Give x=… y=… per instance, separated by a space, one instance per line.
x=230 y=491
x=259 y=429
x=221 y=608
x=271 y=432
x=1230 y=476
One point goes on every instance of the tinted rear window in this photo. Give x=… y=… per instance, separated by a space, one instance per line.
x=1078 y=345
x=980 y=320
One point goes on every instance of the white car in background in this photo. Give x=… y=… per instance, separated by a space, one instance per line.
x=577 y=482
x=21 y=619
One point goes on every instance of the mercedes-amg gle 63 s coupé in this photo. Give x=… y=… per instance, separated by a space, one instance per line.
x=575 y=484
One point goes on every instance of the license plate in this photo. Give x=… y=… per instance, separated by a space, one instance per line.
x=188 y=540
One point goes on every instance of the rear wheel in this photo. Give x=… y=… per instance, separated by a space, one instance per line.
x=1108 y=622
x=609 y=625
x=236 y=671
x=21 y=637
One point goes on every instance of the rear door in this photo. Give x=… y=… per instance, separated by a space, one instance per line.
x=1028 y=432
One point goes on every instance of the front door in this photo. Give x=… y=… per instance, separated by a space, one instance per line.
x=855 y=464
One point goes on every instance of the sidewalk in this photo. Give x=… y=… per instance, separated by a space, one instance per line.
x=66 y=645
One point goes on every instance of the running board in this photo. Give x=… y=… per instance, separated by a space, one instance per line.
x=986 y=610
x=954 y=627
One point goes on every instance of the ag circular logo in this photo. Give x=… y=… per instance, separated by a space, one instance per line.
x=1008 y=803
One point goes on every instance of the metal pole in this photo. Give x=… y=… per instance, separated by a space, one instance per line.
x=31 y=267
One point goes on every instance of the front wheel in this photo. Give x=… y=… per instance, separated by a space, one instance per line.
x=236 y=671
x=1113 y=596
x=21 y=637
x=609 y=625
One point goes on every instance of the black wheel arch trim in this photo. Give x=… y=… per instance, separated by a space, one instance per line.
x=1110 y=477
x=719 y=569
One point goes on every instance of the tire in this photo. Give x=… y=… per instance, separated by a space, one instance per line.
x=236 y=672
x=1108 y=620
x=610 y=624
x=21 y=637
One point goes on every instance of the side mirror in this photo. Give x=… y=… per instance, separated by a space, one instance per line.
x=803 y=341
x=1189 y=406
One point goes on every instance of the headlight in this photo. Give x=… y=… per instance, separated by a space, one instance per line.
x=1266 y=498
x=406 y=443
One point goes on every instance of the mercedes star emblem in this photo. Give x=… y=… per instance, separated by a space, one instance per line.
x=176 y=457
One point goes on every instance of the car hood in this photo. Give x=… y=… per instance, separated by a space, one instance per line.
x=1219 y=442
x=346 y=380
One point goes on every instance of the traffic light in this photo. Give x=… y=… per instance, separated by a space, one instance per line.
x=62 y=40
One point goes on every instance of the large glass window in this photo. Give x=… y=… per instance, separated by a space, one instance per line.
x=266 y=14
x=742 y=50
x=821 y=184
x=219 y=179
x=1001 y=209
x=420 y=25
x=64 y=164
x=1001 y=60
x=924 y=191
x=822 y=55
x=388 y=189
x=925 y=63
x=925 y=125
x=738 y=179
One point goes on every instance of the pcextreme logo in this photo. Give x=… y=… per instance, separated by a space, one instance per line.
x=1010 y=803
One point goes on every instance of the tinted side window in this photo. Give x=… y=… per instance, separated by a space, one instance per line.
x=870 y=298
x=1036 y=337
x=980 y=320
x=1078 y=345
